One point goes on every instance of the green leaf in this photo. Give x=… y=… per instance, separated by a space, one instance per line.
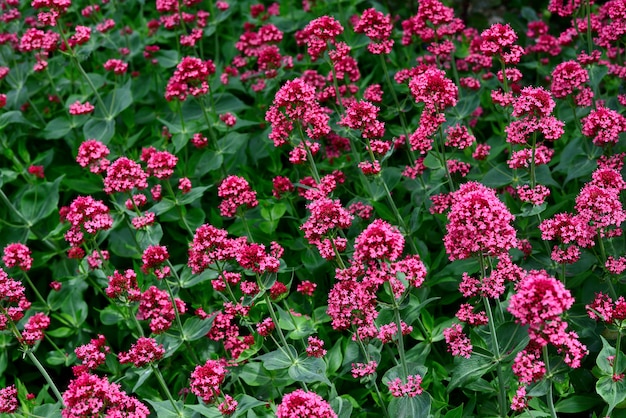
x=48 y=410
x=278 y=359
x=188 y=279
x=55 y=358
x=612 y=392
x=227 y=102
x=500 y=175
x=119 y=99
x=7 y=176
x=194 y=194
x=164 y=409
x=309 y=370
x=576 y=403
x=57 y=128
x=210 y=161
x=205 y=410
x=13 y=116
x=406 y=407
x=196 y=328
x=39 y=201
x=254 y=374
x=468 y=370
x=60 y=332
x=166 y=58
x=245 y=403
x=143 y=374
x=341 y=406
x=602 y=360
x=232 y=142
x=110 y=316
x=100 y=129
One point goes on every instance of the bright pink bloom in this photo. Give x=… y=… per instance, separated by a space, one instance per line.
x=604 y=126
x=190 y=78
x=156 y=306
x=118 y=67
x=362 y=370
x=326 y=214
x=161 y=164
x=37 y=171
x=478 y=223
x=458 y=343
x=363 y=116
x=123 y=286
x=210 y=245
x=92 y=154
x=124 y=175
x=8 y=400
x=34 y=328
x=299 y=404
x=379 y=241
x=143 y=352
x=318 y=32
x=315 y=347
x=433 y=21
x=539 y=298
x=411 y=388
x=153 y=258
x=207 y=379
x=433 y=88
x=91 y=395
x=78 y=108
x=235 y=192
x=378 y=27
x=17 y=255
x=568 y=77
x=94 y=353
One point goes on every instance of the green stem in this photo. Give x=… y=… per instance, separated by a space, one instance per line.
x=398 y=320
x=618 y=350
x=442 y=156
x=368 y=359
x=27 y=223
x=549 y=394
x=37 y=294
x=159 y=377
x=45 y=375
x=532 y=161
x=495 y=346
x=170 y=190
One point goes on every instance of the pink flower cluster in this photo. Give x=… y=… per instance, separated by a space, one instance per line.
x=12 y=300
x=86 y=216
x=539 y=302
x=378 y=27
x=155 y=305
x=124 y=175
x=8 y=400
x=92 y=354
x=17 y=255
x=478 y=222
x=210 y=245
x=604 y=126
x=123 y=286
x=362 y=115
x=34 y=328
x=207 y=379
x=411 y=388
x=299 y=404
x=143 y=352
x=296 y=98
x=235 y=192
x=318 y=33
x=93 y=154
x=90 y=395
x=190 y=78
x=603 y=308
